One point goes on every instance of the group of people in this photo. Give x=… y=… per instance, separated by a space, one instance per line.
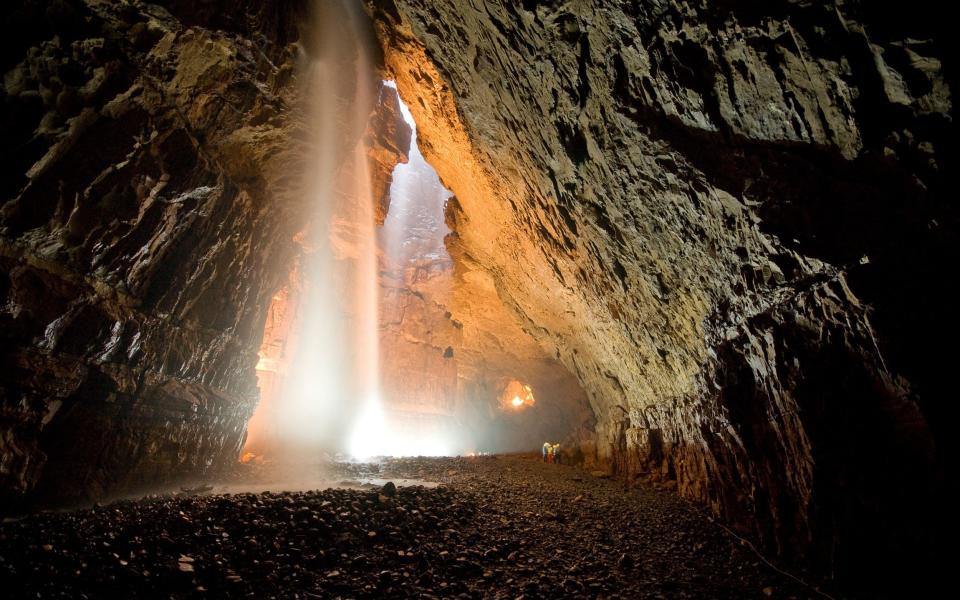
x=551 y=453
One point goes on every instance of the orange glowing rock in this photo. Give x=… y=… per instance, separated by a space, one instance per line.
x=516 y=396
x=275 y=353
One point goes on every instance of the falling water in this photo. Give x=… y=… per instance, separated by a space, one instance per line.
x=334 y=374
x=331 y=400
x=414 y=228
x=368 y=427
x=413 y=231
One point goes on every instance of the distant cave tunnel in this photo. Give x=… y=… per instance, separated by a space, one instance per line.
x=445 y=339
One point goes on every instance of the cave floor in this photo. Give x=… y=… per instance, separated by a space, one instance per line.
x=494 y=527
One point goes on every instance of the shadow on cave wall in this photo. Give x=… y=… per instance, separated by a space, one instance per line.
x=887 y=217
x=875 y=488
x=879 y=467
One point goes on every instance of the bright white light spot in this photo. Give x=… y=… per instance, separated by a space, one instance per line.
x=369 y=432
x=516 y=397
x=373 y=436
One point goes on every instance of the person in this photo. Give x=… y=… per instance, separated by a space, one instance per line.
x=556 y=453
x=546 y=446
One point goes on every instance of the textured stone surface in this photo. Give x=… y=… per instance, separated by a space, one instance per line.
x=388 y=138
x=278 y=350
x=683 y=201
x=139 y=251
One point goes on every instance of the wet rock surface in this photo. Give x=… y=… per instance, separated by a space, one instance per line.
x=500 y=527
x=151 y=207
x=137 y=248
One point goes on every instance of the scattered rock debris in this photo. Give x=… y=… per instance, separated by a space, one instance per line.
x=529 y=530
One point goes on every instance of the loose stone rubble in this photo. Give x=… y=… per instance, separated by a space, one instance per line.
x=497 y=527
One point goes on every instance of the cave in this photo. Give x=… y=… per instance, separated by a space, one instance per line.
x=296 y=295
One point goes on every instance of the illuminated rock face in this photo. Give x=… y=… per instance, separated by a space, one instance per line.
x=388 y=140
x=443 y=375
x=690 y=205
x=277 y=350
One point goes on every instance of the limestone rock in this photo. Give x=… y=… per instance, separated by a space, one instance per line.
x=138 y=253
x=674 y=198
x=388 y=141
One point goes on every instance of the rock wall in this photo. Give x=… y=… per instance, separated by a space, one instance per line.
x=449 y=345
x=727 y=219
x=139 y=245
x=277 y=352
x=388 y=138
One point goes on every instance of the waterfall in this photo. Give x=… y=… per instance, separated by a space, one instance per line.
x=329 y=399
x=333 y=377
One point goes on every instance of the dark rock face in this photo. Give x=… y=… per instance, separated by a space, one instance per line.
x=727 y=221
x=138 y=250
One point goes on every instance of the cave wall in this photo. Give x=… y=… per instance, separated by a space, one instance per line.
x=388 y=141
x=147 y=220
x=731 y=221
x=495 y=346
x=449 y=346
x=448 y=343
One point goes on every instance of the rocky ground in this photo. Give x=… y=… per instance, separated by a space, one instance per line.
x=500 y=527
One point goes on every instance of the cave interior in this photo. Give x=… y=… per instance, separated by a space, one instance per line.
x=703 y=247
